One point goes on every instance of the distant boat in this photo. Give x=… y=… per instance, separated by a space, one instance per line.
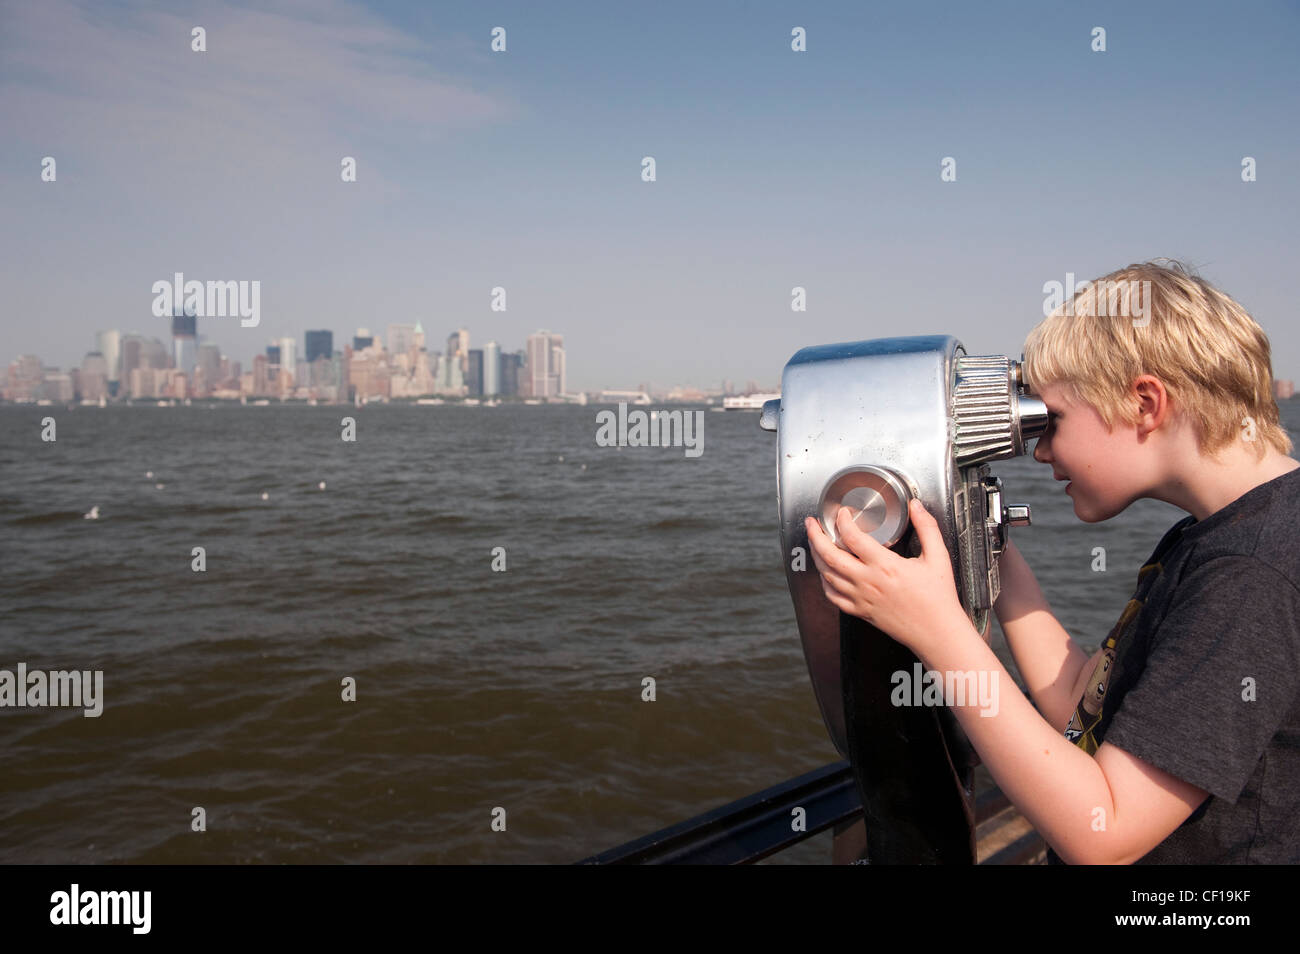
x=264 y=402
x=533 y=401
x=472 y=402
x=748 y=402
x=429 y=401
x=491 y=403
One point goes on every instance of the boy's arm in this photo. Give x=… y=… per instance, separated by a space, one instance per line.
x=1048 y=659
x=1112 y=809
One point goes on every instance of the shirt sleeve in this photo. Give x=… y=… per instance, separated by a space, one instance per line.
x=1221 y=676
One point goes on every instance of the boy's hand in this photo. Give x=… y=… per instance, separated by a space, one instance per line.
x=913 y=600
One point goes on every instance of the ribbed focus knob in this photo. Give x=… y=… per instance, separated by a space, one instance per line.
x=983 y=410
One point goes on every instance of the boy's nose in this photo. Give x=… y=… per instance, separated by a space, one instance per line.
x=1039 y=451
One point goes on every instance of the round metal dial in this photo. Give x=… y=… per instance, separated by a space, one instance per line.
x=878 y=498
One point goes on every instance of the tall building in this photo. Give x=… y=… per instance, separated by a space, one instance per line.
x=184 y=325
x=400 y=338
x=474 y=379
x=56 y=386
x=458 y=346
x=545 y=365
x=184 y=342
x=362 y=340
x=109 y=344
x=207 y=370
x=491 y=369
x=449 y=376
x=262 y=374
x=288 y=361
x=320 y=344
x=93 y=380
x=25 y=376
x=147 y=382
x=130 y=358
x=512 y=374
x=141 y=352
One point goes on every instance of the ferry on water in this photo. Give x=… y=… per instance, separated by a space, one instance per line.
x=748 y=402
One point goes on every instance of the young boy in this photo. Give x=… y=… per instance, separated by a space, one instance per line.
x=1179 y=740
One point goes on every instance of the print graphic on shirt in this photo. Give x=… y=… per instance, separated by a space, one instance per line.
x=1088 y=711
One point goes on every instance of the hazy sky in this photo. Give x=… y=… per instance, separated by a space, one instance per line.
x=523 y=169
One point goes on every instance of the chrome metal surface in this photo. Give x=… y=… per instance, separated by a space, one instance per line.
x=993 y=420
x=1017 y=515
x=878 y=499
x=918 y=410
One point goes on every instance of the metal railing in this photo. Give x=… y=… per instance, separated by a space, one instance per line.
x=759 y=825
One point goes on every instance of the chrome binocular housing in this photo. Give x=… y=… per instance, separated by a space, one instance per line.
x=870 y=425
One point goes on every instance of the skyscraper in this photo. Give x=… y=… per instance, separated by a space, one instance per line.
x=93 y=380
x=320 y=344
x=491 y=369
x=184 y=342
x=109 y=344
x=400 y=338
x=288 y=360
x=546 y=364
x=512 y=373
x=131 y=357
x=207 y=370
x=474 y=380
x=25 y=376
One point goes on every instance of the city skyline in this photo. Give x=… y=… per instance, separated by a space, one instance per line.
x=536 y=370
x=398 y=364
x=822 y=167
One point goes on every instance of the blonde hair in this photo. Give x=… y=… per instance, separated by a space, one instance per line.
x=1161 y=319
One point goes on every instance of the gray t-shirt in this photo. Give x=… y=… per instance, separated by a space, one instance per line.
x=1201 y=678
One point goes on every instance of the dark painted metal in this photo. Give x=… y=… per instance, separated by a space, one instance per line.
x=749 y=829
x=757 y=826
x=914 y=765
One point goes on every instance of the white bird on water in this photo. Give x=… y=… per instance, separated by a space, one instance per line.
x=148 y=474
x=94 y=513
x=159 y=486
x=322 y=485
x=265 y=495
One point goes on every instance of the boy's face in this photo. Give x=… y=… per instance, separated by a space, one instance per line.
x=1104 y=468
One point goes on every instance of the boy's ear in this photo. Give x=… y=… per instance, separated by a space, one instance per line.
x=1152 y=402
